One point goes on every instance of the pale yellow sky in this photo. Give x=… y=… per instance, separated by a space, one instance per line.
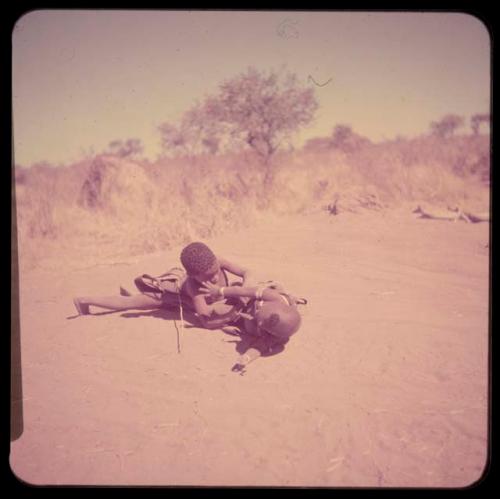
x=84 y=78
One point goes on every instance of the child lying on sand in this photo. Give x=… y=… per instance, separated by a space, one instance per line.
x=270 y=315
x=202 y=266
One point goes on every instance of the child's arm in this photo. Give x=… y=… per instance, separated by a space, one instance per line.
x=266 y=294
x=236 y=269
x=215 y=315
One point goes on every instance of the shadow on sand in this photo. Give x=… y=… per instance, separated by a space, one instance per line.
x=256 y=346
x=243 y=341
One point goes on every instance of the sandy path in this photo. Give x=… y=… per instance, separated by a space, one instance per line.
x=385 y=384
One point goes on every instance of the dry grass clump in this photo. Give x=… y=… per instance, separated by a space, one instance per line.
x=114 y=207
x=440 y=171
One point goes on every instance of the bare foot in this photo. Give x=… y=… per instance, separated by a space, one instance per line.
x=82 y=308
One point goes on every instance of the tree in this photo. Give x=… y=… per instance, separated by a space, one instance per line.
x=476 y=120
x=447 y=125
x=345 y=139
x=254 y=109
x=340 y=134
x=263 y=110
x=195 y=134
x=172 y=137
x=123 y=149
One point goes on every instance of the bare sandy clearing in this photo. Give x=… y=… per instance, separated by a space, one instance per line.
x=384 y=385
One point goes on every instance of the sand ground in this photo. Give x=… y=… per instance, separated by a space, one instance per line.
x=386 y=383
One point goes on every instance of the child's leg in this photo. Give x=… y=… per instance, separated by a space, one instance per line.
x=139 y=301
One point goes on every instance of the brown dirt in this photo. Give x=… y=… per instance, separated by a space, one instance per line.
x=384 y=385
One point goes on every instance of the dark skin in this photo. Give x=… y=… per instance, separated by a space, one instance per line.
x=212 y=289
x=214 y=315
x=264 y=341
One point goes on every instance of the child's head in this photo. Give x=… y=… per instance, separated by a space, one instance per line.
x=278 y=319
x=200 y=262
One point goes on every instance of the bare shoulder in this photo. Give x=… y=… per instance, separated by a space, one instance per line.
x=230 y=266
x=223 y=262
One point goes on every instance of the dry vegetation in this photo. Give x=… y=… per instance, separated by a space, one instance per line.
x=110 y=207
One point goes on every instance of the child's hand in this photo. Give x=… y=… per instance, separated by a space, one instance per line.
x=245 y=315
x=210 y=289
